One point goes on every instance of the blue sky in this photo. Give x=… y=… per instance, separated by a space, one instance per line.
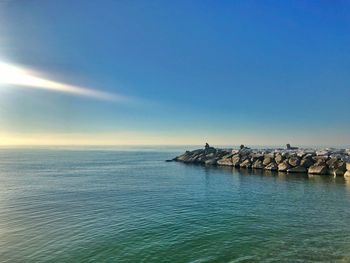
x=226 y=72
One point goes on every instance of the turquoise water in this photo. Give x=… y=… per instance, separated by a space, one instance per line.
x=128 y=205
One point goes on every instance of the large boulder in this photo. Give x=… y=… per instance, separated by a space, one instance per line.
x=332 y=162
x=307 y=162
x=200 y=158
x=271 y=166
x=212 y=161
x=347 y=174
x=195 y=156
x=245 y=151
x=335 y=164
x=283 y=167
x=322 y=153
x=222 y=154
x=346 y=158
x=210 y=155
x=337 y=172
x=236 y=160
x=318 y=169
x=267 y=160
x=336 y=167
x=183 y=157
x=279 y=158
x=269 y=155
x=320 y=159
x=336 y=156
x=286 y=154
x=246 y=164
x=294 y=161
x=256 y=156
x=301 y=154
x=309 y=155
x=258 y=164
x=225 y=161
x=210 y=150
x=297 y=169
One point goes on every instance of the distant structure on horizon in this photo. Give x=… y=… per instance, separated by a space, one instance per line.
x=290 y=147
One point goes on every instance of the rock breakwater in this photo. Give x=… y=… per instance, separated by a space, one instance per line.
x=328 y=161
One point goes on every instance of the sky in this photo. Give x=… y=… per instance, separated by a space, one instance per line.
x=174 y=72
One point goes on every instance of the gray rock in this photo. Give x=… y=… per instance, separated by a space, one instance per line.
x=279 y=158
x=258 y=164
x=294 y=161
x=322 y=153
x=257 y=156
x=271 y=166
x=336 y=156
x=192 y=157
x=210 y=150
x=210 y=155
x=332 y=162
x=283 y=167
x=309 y=155
x=246 y=164
x=198 y=158
x=307 y=162
x=346 y=158
x=320 y=160
x=236 y=160
x=227 y=156
x=322 y=157
x=337 y=172
x=318 y=169
x=267 y=161
x=335 y=164
x=285 y=154
x=301 y=154
x=225 y=161
x=223 y=154
x=211 y=161
x=269 y=155
x=245 y=151
x=183 y=157
x=297 y=169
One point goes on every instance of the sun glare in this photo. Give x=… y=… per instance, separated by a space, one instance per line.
x=13 y=75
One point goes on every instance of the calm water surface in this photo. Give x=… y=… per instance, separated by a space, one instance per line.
x=128 y=205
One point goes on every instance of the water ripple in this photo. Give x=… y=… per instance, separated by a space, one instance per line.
x=128 y=206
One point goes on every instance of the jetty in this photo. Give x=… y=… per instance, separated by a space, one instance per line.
x=328 y=161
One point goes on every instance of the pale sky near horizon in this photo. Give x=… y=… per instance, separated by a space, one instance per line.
x=174 y=72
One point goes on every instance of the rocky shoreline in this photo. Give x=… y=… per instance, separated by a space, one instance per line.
x=329 y=161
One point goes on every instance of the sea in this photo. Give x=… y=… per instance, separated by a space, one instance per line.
x=126 y=204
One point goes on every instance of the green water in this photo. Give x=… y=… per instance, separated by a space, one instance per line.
x=128 y=205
